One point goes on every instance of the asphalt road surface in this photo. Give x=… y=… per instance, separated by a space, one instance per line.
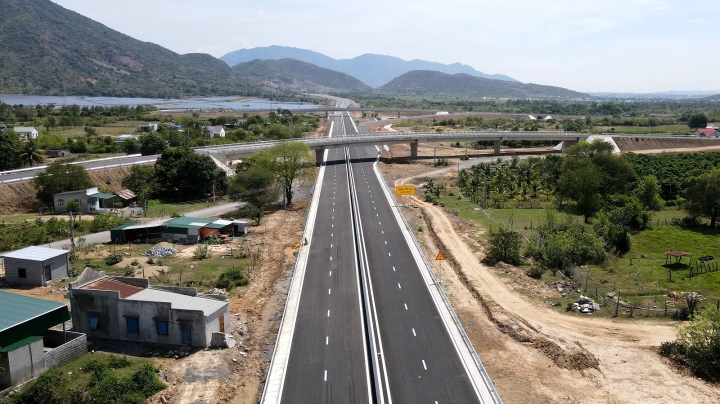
x=328 y=360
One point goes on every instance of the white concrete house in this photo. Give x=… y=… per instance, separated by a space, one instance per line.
x=214 y=131
x=26 y=132
x=91 y=200
x=129 y=309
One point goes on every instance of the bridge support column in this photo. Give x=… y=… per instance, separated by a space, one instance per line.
x=568 y=143
x=413 y=150
x=319 y=153
x=497 y=147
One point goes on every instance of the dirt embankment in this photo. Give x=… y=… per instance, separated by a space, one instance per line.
x=531 y=352
x=19 y=197
x=629 y=144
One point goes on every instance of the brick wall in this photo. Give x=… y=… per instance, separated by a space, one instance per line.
x=63 y=353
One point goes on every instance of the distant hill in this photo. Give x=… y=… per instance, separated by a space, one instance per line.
x=436 y=84
x=373 y=70
x=47 y=49
x=294 y=75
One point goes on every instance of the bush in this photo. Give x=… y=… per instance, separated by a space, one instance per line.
x=698 y=345
x=231 y=279
x=113 y=259
x=535 y=272
x=118 y=362
x=202 y=251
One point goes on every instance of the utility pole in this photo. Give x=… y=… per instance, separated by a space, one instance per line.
x=72 y=237
x=213 y=192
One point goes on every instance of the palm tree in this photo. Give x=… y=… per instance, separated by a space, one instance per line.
x=31 y=154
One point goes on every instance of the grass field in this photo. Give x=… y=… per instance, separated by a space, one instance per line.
x=642 y=275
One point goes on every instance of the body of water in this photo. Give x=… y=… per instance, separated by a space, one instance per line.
x=233 y=103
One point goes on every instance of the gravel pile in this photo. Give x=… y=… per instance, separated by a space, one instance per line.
x=160 y=251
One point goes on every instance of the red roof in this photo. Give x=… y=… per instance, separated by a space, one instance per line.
x=113 y=285
x=706 y=131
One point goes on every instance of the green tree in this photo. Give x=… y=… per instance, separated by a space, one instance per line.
x=590 y=174
x=703 y=196
x=131 y=146
x=59 y=178
x=180 y=172
x=30 y=154
x=51 y=141
x=152 y=143
x=505 y=246
x=696 y=121
x=648 y=191
x=74 y=207
x=256 y=186
x=288 y=161
x=10 y=147
x=141 y=177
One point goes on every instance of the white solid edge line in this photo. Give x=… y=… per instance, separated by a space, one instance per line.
x=463 y=351
x=275 y=381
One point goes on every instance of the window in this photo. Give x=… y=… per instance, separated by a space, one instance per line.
x=94 y=320
x=161 y=327
x=132 y=325
x=61 y=203
x=22 y=273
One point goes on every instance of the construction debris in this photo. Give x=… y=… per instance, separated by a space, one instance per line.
x=160 y=251
x=586 y=305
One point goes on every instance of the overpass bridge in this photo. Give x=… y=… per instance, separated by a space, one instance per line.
x=319 y=145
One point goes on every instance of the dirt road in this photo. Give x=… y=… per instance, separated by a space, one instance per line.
x=535 y=354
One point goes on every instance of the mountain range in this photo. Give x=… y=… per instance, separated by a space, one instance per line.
x=436 y=84
x=46 y=49
x=373 y=70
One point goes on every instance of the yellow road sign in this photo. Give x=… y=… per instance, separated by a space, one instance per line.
x=405 y=190
x=440 y=256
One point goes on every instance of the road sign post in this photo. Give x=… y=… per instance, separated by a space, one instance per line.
x=402 y=190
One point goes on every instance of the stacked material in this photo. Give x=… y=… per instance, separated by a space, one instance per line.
x=160 y=251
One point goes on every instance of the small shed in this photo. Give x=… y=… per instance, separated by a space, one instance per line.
x=28 y=347
x=240 y=227
x=35 y=266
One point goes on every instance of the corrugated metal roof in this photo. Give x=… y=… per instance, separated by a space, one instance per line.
x=126 y=290
x=126 y=194
x=180 y=301
x=24 y=316
x=124 y=225
x=18 y=309
x=101 y=195
x=154 y=223
x=35 y=253
x=218 y=224
x=72 y=192
x=185 y=222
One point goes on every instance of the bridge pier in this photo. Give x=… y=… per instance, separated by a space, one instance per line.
x=413 y=149
x=497 y=147
x=568 y=143
x=319 y=153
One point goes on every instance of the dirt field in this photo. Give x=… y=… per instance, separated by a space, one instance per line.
x=532 y=353
x=237 y=375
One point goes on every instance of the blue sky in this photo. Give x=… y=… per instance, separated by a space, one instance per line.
x=602 y=45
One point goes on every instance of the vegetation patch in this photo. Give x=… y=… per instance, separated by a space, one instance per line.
x=94 y=378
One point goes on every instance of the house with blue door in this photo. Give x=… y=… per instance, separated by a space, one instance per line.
x=129 y=309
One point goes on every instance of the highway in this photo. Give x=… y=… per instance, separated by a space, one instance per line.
x=422 y=364
x=328 y=361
